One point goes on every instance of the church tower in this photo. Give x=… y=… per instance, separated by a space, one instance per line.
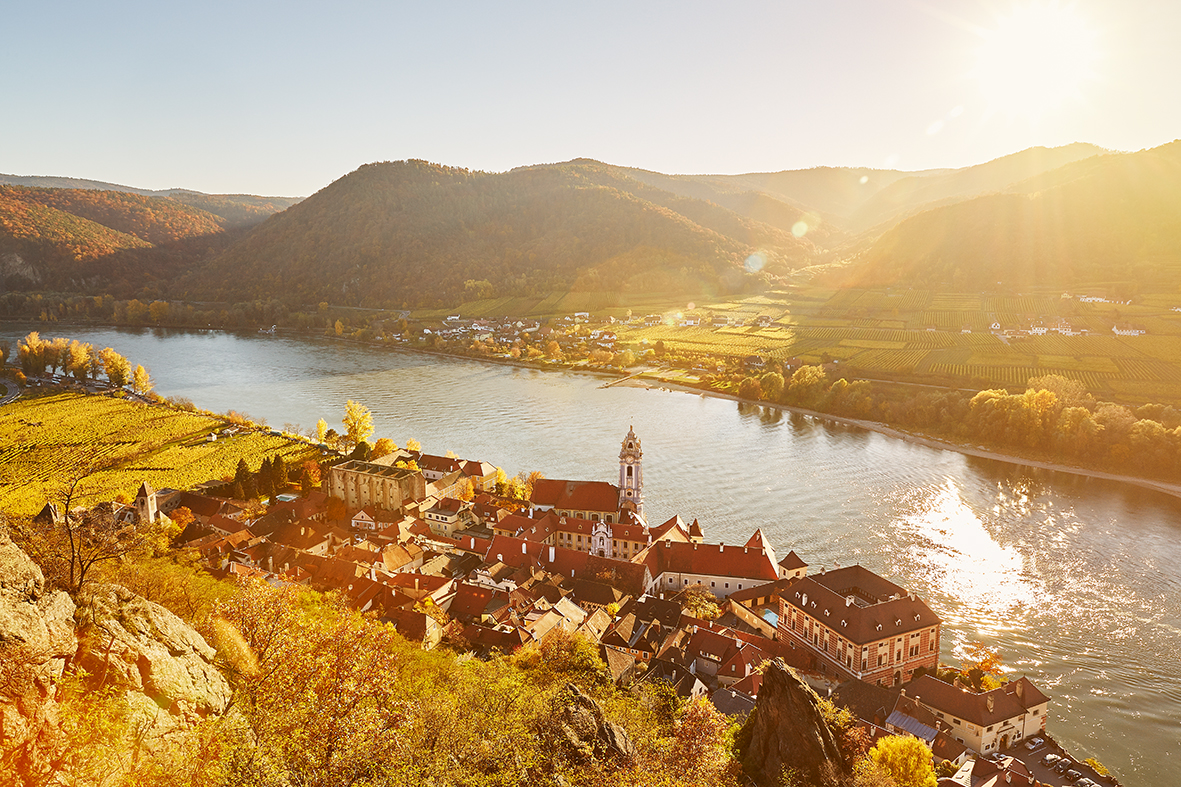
x=145 y=504
x=631 y=475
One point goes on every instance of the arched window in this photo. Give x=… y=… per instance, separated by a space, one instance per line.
x=629 y=471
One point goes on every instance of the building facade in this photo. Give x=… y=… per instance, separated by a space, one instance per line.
x=861 y=626
x=361 y=484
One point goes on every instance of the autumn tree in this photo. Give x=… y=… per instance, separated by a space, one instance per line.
x=116 y=367
x=321 y=430
x=358 y=423
x=383 y=447
x=699 y=602
x=141 y=381
x=906 y=759
x=982 y=666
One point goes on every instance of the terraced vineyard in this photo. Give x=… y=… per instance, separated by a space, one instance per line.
x=46 y=441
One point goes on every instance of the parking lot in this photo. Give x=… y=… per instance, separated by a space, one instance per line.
x=1054 y=774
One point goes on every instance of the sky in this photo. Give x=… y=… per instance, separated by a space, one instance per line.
x=282 y=98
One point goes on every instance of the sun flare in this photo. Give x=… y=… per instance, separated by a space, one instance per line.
x=1036 y=58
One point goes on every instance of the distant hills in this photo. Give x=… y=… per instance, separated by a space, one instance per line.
x=413 y=233
x=1102 y=220
x=66 y=233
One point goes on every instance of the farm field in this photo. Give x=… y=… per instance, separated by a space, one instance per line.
x=45 y=441
x=958 y=339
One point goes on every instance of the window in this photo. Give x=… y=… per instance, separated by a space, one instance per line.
x=670 y=580
x=629 y=471
x=713 y=584
x=727 y=585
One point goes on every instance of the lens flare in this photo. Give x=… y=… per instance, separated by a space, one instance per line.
x=755 y=262
x=799 y=229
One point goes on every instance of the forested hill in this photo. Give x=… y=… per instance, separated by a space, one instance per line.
x=112 y=241
x=237 y=209
x=1104 y=220
x=417 y=234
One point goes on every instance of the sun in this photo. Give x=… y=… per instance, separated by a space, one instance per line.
x=1037 y=58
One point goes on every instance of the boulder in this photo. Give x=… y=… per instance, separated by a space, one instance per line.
x=589 y=734
x=788 y=733
x=141 y=646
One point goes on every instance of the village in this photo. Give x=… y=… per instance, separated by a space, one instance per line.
x=427 y=544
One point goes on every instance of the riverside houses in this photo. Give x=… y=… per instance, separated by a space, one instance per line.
x=861 y=626
x=987 y=722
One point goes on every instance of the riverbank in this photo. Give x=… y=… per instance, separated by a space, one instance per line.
x=919 y=438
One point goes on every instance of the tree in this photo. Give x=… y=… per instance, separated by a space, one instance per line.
x=5 y=350
x=981 y=666
x=279 y=473
x=116 y=367
x=358 y=422
x=699 y=602
x=383 y=447
x=749 y=388
x=906 y=759
x=772 y=385
x=414 y=445
x=69 y=550
x=31 y=353
x=80 y=361
x=321 y=430
x=141 y=381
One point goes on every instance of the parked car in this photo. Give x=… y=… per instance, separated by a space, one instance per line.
x=1050 y=759
x=1086 y=783
x=1073 y=775
x=1033 y=743
x=1062 y=765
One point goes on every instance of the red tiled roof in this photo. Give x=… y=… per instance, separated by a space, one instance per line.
x=708 y=560
x=792 y=561
x=576 y=495
x=880 y=609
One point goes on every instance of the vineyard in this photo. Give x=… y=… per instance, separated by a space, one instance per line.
x=48 y=441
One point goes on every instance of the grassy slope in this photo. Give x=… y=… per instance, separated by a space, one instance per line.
x=44 y=440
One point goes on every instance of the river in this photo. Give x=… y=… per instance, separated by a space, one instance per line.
x=1076 y=580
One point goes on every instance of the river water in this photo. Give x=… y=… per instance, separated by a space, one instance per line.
x=1077 y=581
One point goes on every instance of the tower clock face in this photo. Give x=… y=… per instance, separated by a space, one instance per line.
x=629 y=460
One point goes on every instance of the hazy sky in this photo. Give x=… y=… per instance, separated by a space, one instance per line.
x=284 y=97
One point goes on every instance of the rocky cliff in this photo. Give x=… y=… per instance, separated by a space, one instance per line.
x=111 y=637
x=789 y=734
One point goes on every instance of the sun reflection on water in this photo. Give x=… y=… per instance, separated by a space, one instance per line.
x=959 y=559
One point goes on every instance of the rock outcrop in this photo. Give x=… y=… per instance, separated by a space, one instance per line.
x=116 y=637
x=36 y=641
x=588 y=732
x=141 y=646
x=788 y=733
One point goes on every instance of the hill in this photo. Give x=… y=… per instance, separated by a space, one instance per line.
x=922 y=190
x=57 y=238
x=237 y=209
x=1112 y=219
x=419 y=234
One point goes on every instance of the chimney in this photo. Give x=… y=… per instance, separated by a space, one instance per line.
x=902 y=692
x=744 y=550
x=722 y=547
x=989 y=702
x=302 y=531
x=848 y=601
x=271 y=563
x=373 y=572
x=668 y=543
x=416 y=582
x=695 y=547
x=524 y=551
x=551 y=554
x=1019 y=687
